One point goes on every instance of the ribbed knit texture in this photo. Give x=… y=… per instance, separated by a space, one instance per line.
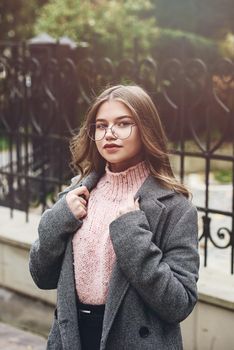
x=93 y=252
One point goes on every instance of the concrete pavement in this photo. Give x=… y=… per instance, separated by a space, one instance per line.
x=12 y=338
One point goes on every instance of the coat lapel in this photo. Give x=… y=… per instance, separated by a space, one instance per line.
x=90 y=182
x=118 y=286
x=149 y=194
x=67 y=315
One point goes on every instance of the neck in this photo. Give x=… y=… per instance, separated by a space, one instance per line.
x=122 y=166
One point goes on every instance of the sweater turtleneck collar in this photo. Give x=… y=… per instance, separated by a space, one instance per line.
x=139 y=170
x=120 y=185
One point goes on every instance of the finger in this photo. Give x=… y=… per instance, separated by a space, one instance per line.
x=82 y=190
x=82 y=201
x=82 y=212
x=72 y=198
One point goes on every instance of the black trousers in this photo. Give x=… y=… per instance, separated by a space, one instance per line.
x=90 y=325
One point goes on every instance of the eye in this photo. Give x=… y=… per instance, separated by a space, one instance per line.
x=100 y=126
x=123 y=124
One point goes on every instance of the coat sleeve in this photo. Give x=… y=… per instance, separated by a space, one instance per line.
x=46 y=254
x=165 y=280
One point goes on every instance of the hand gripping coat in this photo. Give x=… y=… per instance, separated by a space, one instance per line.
x=153 y=283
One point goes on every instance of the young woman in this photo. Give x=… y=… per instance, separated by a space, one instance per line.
x=120 y=245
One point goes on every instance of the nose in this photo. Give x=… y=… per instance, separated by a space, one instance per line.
x=109 y=135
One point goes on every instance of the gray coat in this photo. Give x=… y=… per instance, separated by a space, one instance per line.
x=153 y=283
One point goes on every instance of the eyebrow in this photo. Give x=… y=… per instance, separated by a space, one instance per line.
x=117 y=118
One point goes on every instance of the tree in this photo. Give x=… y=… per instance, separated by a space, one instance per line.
x=112 y=25
x=210 y=18
x=17 y=18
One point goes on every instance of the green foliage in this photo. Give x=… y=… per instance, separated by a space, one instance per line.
x=17 y=18
x=210 y=18
x=4 y=143
x=223 y=176
x=111 y=25
x=177 y=44
x=227 y=46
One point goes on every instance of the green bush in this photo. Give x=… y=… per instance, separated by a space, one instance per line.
x=177 y=44
x=4 y=143
x=223 y=176
x=110 y=26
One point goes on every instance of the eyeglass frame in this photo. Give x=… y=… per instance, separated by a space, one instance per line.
x=106 y=128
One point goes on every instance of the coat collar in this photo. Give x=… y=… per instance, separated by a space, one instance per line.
x=153 y=190
x=91 y=180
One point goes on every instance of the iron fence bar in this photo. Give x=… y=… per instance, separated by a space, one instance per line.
x=26 y=134
x=215 y=211
x=232 y=237
x=52 y=90
x=203 y=155
x=38 y=178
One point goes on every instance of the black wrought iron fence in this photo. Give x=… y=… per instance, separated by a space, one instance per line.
x=44 y=94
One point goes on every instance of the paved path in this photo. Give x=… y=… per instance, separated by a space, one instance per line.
x=14 y=339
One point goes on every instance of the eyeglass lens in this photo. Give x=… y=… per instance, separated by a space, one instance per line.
x=120 y=131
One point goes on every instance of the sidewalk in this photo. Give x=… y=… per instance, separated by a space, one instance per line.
x=14 y=339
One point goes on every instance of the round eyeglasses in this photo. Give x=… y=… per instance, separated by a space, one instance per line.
x=120 y=130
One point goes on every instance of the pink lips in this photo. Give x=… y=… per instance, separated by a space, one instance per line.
x=111 y=148
x=111 y=145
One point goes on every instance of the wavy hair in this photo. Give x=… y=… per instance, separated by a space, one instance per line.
x=86 y=158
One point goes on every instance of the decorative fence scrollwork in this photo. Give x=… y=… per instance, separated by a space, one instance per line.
x=45 y=93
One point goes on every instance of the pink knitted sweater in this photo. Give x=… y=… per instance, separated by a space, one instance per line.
x=93 y=251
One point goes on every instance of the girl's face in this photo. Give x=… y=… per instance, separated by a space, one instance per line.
x=119 y=153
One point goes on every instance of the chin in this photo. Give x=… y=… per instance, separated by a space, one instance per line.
x=115 y=161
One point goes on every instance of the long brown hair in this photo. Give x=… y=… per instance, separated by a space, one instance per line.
x=86 y=158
